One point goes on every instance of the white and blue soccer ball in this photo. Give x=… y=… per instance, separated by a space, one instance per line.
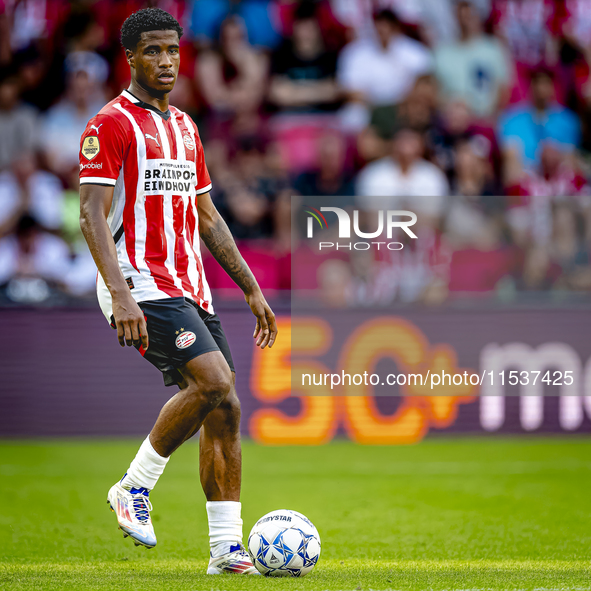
x=284 y=544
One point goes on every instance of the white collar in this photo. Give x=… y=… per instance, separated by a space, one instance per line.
x=129 y=96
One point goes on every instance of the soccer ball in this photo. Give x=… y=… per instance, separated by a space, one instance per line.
x=284 y=544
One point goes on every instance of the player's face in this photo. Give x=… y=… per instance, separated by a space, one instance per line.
x=156 y=61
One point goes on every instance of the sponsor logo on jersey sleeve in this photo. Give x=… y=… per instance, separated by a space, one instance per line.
x=93 y=165
x=91 y=147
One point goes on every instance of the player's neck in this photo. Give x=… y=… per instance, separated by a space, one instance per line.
x=161 y=102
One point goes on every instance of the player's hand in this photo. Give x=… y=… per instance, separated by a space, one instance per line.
x=130 y=322
x=265 y=331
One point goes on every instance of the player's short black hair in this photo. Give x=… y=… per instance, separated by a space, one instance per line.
x=144 y=20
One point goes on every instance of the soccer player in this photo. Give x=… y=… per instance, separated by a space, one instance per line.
x=144 y=202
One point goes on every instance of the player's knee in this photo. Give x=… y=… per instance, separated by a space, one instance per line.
x=216 y=387
x=230 y=406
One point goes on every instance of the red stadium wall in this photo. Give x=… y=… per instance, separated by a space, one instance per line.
x=64 y=374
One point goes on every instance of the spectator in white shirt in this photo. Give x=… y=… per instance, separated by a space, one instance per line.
x=65 y=122
x=381 y=71
x=26 y=189
x=477 y=69
x=32 y=261
x=18 y=122
x=404 y=180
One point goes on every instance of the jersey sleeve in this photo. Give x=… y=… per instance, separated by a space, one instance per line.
x=103 y=147
x=203 y=182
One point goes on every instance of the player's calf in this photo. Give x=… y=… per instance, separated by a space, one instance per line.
x=207 y=380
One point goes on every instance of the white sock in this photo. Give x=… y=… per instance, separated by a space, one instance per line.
x=225 y=526
x=145 y=469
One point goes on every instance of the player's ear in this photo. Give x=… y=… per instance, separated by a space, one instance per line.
x=130 y=58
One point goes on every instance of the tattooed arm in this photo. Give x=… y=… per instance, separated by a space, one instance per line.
x=218 y=239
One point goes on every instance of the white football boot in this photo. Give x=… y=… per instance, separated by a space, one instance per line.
x=133 y=514
x=237 y=562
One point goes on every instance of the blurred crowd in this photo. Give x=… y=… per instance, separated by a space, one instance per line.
x=475 y=114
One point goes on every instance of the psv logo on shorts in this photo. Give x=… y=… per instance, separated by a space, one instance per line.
x=185 y=339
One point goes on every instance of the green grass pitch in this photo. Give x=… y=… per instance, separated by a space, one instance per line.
x=446 y=514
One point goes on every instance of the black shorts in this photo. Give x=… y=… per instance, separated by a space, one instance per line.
x=179 y=330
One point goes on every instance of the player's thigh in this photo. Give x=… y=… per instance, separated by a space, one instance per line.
x=214 y=326
x=178 y=335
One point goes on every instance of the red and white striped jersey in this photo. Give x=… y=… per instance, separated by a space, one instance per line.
x=156 y=165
